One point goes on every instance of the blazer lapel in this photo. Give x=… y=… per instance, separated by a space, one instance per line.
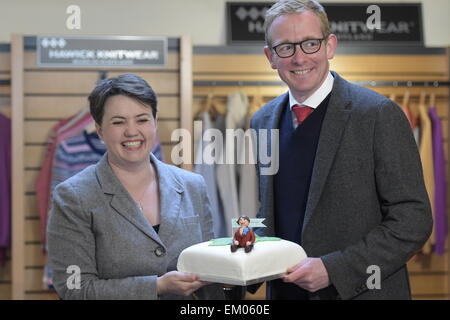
x=170 y=195
x=270 y=121
x=121 y=201
x=333 y=126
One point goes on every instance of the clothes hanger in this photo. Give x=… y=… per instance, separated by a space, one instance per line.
x=255 y=105
x=433 y=99
x=209 y=102
x=90 y=128
x=77 y=117
x=392 y=96
x=422 y=98
x=6 y=112
x=204 y=107
x=257 y=101
x=215 y=107
x=211 y=106
x=220 y=108
x=406 y=97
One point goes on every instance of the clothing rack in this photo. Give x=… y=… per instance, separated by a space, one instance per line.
x=434 y=84
x=238 y=83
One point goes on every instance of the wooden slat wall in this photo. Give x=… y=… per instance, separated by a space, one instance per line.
x=5 y=108
x=53 y=94
x=429 y=275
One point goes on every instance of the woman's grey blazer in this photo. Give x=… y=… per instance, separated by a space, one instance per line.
x=96 y=228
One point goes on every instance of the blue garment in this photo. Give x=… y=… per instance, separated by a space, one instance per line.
x=291 y=185
x=5 y=187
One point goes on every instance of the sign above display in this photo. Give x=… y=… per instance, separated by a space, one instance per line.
x=353 y=23
x=246 y=21
x=376 y=23
x=120 y=51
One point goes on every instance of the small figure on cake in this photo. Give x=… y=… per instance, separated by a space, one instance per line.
x=244 y=236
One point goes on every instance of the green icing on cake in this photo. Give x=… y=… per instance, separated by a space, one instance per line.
x=227 y=241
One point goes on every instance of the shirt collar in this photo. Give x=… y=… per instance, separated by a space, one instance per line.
x=317 y=97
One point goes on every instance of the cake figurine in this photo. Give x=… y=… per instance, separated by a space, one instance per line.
x=244 y=236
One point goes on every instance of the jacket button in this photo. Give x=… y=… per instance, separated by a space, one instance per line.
x=159 y=251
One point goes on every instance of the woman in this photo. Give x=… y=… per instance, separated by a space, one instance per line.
x=123 y=222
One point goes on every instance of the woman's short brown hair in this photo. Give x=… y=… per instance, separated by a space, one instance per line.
x=129 y=85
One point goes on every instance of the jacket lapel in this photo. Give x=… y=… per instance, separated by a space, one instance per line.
x=121 y=201
x=333 y=126
x=170 y=195
x=270 y=121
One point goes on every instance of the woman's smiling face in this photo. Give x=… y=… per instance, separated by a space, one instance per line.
x=128 y=130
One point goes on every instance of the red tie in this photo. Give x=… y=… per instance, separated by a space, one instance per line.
x=302 y=112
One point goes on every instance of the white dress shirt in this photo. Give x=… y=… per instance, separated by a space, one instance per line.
x=315 y=99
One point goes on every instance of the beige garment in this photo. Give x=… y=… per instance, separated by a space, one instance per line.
x=426 y=156
x=248 y=182
x=227 y=173
x=248 y=188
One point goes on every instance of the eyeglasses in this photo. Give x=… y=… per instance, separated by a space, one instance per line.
x=309 y=46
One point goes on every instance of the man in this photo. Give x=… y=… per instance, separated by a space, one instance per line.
x=349 y=188
x=244 y=236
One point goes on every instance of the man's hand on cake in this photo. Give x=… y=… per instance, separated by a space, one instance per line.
x=310 y=274
x=179 y=283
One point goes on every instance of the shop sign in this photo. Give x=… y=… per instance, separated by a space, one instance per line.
x=120 y=51
x=376 y=23
x=353 y=23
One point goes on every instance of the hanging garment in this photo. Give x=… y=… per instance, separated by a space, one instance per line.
x=426 y=156
x=248 y=182
x=5 y=187
x=62 y=130
x=207 y=171
x=233 y=178
x=248 y=188
x=72 y=155
x=415 y=124
x=408 y=115
x=440 y=187
x=226 y=173
x=75 y=154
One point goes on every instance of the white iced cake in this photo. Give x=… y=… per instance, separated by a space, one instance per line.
x=216 y=263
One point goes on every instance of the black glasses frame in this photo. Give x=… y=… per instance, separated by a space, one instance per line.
x=299 y=44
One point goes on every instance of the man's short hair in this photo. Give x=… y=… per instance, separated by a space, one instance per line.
x=283 y=7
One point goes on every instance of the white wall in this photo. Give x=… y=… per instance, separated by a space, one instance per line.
x=203 y=20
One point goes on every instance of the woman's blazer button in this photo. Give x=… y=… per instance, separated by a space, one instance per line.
x=159 y=251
